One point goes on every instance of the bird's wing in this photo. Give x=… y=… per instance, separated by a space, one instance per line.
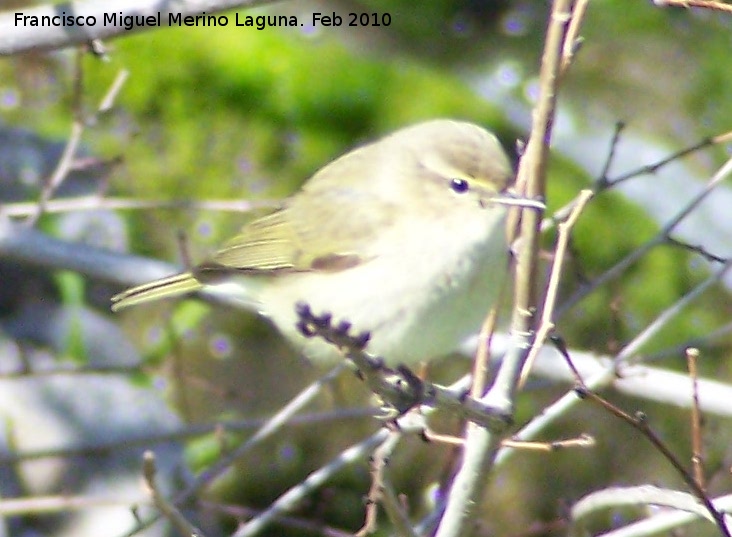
x=331 y=232
x=331 y=225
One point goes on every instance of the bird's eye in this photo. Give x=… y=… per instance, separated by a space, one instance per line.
x=459 y=185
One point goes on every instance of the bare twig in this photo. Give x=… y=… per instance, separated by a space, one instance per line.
x=696 y=249
x=242 y=513
x=10 y=507
x=65 y=163
x=603 y=179
x=169 y=511
x=482 y=445
x=546 y=324
x=95 y=202
x=615 y=497
x=602 y=376
x=107 y=102
x=664 y=522
x=604 y=182
x=660 y=238
x=103 y=447
x=396 y=509
x=294 y=496
x=583 y=441
x=705 y=4
x=15 y=38
x=697 y=449
x=640 y=423
x=381 y=490
x=274 y=424
x=572 y=40
x=481 y=363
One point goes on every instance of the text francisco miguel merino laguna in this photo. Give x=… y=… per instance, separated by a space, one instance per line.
x=173 y=19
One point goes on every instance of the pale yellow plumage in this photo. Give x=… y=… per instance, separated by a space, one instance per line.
x=403 y=237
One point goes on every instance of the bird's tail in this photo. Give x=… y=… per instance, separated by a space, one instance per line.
x=167 y=287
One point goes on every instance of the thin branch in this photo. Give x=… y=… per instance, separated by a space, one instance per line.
x=63 y=167
x=60 y=504
x=697 y=449
x=65 y=163
x=103 y=447
x=396 y=509
x=274 y=424
x=696 y=248
x=584 y=441
x=660 y=238
x=640 y=423
x=243 y=513
x=603 y=182
x=704 y=4
x=113 y=92
x=169 y=511
x=546 y=324
x=18 y=37
x=572 y=40
x=295 y=495
x=381 y=491
x=664 y=522
x=604 y=375
x=96 y=202
x=615 y=497
x=482 y=445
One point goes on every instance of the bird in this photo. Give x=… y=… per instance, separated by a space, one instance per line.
x=403 y=237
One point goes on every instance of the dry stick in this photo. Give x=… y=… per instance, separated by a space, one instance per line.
x=396 y=511
x=242 y=513
x=546 y=324
x=562 y=406
x=640 y=423
x=16 y=38
x=269 y=428
x=61 y=172
x=59 y=504
x=481 y=363
x=168 y=510
x=705 y=4
x=708 y=340
x=665 y=522
x=697 y=249
x=603 y=182
x=293 y=497
x=107 y=102
x=583 y=441
x=181 y=433
x=697 y=449
x=411 y=423
x=29 y=371
x=649 y=169
x=572 y=39
x=378 y=490
x=467 y=491
x=659 y=239
x=95 y=202
x=400 y=390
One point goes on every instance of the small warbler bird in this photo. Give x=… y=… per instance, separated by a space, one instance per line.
x=404 y=238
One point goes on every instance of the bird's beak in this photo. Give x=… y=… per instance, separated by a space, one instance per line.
x=509 y=198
